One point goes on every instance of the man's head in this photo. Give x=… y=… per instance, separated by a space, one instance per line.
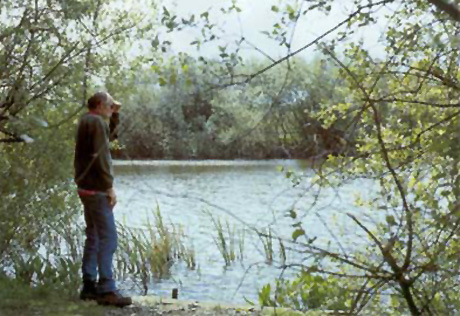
x=101 y=103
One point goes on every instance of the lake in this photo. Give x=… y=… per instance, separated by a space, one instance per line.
x=244 y=193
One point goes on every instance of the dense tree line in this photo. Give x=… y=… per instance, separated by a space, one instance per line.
x=189 y=118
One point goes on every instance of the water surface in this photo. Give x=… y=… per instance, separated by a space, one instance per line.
x=244 y=193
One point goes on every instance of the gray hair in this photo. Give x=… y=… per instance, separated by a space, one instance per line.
x=100 y=97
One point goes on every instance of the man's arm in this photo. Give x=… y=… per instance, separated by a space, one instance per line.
x=102 y=159
x=114 y=122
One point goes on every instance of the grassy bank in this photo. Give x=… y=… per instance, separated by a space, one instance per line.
x=21 y=299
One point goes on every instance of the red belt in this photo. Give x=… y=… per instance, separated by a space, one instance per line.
x=83 y=192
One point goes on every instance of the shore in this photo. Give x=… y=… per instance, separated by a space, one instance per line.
x=20 y=299
x=153 y=305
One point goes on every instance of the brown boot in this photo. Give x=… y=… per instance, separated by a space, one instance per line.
x=114 y=299
x=88 y=292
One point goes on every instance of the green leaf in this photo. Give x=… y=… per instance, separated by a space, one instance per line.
x=162 y=81
x=266 y=33
x=297 y=233
x=166 y=12
x=155 y=42
x=390 y=220
x=173 y=79
x=248 y=301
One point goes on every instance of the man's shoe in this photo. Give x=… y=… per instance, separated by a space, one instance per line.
x=114 y=299
x=88 y=293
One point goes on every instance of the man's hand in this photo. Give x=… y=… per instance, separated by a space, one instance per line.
x=116 y=106
x=112 y=197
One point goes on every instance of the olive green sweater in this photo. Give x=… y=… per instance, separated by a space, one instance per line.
x=93 y=162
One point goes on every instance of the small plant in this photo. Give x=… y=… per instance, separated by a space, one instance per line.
x=307 y=291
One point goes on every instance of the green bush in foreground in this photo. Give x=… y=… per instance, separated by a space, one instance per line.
x=18 y=298
x=306 y=292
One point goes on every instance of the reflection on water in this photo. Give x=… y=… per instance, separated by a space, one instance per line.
x=252 y=193
x=204 y=166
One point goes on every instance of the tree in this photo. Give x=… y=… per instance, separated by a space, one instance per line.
x=52 y=56
x=402 y=111
x=405 y=131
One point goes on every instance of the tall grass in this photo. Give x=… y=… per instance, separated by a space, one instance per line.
x=282 y=252
x=241 y=239
x=53 y=258
x=54 y=261
x=267 y=241
x=149 y=253
x=226 y=239
x=266 y=237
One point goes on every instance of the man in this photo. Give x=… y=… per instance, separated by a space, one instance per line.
x=94 y=178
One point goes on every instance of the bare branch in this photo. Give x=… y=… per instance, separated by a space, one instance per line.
x=436 y=105
x=315 y=41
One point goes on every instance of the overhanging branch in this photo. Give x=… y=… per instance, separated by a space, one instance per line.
x=447 y=7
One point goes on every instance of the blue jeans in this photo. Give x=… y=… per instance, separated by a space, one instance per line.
x=101 y=241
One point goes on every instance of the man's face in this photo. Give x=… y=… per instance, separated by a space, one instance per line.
x=105 y=110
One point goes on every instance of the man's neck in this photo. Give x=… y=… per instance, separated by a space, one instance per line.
x=94 y=112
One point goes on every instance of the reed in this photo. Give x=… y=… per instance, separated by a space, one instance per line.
x=149 y=253
x=42 y=243
x=52 y=260
x=282 y=252
x=225 y=240
x=241 y=240
x=267 y=241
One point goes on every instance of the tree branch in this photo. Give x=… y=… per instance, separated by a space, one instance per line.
x=449 y=8
x=315 y=41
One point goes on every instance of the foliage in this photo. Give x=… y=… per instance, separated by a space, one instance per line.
x=400 y=116
x=308 y=291
x=186 y=117
x=403 y=115
x=44 y=246
x=42 y=44
x=50 y=53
